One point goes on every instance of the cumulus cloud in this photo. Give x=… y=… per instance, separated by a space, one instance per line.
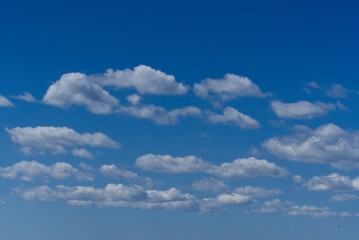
x=134 y=99
x=327 y=144
x=159 y=114
x=233 y=117
x=301 y=109
x=56 y=139
x=169 y=164
x=217 y=203
x=77 y=89
x=144 y=79
x=227 y=88
x=29 y=170
x=4 y=102
x=239 y=168
x=114 y=172
x=257 y=192
x=113 y=195
x=333 y=183
x=26 y=97
x=81 y=152
x=209 y=185
x=291 y=209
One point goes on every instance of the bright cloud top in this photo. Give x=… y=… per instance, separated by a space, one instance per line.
x=232 y=116
x=327 y=144
x=230 y=87
x=56 y=139
x=239 y=168
x=333 y=183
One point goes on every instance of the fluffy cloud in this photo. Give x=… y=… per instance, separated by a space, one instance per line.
x=159 y=114
x=234 y=117
x=144 y=79
x=77 y=89
x=214 y=204
x=289 y=208
x=333 y=183
x=114 y=172
x=81 y=152
x=209 y=185
x=301 y=109
x=230 y=87
x=29 y=170
x=247 y=168
x=326 y=144
x=113 y=195
x=26 y=97
x=239 y=168
x=57 y=139
x=169 y=164
x=4 y=102
x=257 y=192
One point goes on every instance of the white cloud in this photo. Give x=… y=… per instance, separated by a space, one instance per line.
x=26 y=97
x=343 y=197
x=301 y=109
x=77 y=89
x=114 y=172
x=234 y=117
x=334 y=91
x=81 y=152
x=239 y=168
x=230 y=87
x=298 y=179
x=209 y=185
x=326 y=144
x=144 y=79
x=333 y=183
x=258 y=192
x=247 y=168
x=134 y=99
x=29 y=170
x=56 y=139
x=4 y=102
x=169 y=164
x=290 y=209
x=159 y=114
x=113 y=195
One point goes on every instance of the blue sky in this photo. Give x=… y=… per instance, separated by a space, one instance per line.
x=179 y=120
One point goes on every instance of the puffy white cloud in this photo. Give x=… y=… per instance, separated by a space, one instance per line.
x=247 y=168
x=169 y=164
x=114 y=172
x=134 y=99
x=159 y=114
x=81 y=152
x=144 y=79
x=209 y=185
x=77 y=89
x=333 y=183
x=29 y=170
x=301 y=109
x=258 y=192
x=227 y=88
x=4 y=102
x=289 y=208
x=56 y=139
x=298 y=179
x=326 y=144
x=239 y=168
x=26 y=97
x=343 y=197
x=113 y=195
x=217 y=203
x=234 y=117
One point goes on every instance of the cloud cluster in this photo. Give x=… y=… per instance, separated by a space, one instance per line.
x=333 y=183
x=239 y=168
x=209 y=185
x=56 y=139
x=333 y=91
x=301 y=109
x=227 y=88
x=232 y=116
x=30 y=170
x=327 y=144
x=114 y=172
